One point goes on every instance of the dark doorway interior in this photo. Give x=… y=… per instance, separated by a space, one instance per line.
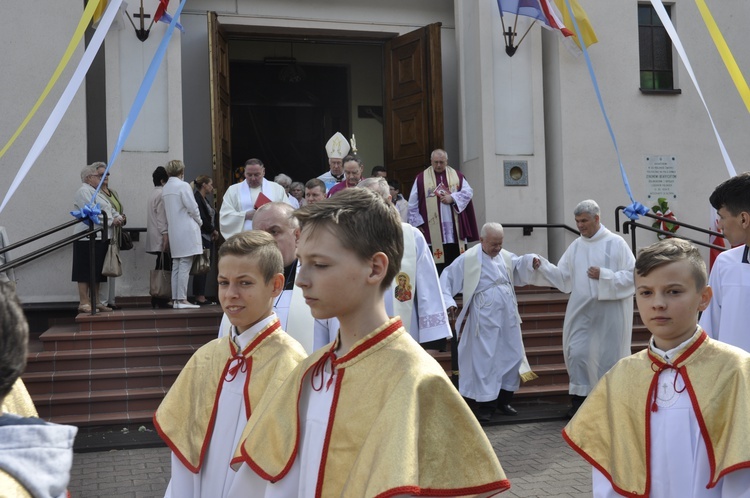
x=284 y=114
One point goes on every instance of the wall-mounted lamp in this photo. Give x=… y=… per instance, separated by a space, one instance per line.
x=160 y=15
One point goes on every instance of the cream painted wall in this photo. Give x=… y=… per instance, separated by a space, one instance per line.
x=502 y=111
x=32 y=47
x=650 y=124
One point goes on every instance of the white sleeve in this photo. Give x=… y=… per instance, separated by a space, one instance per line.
x=415 y=219
x=617 y=283
x=601 y=487
x=462 y=197
x=452 y=281
x=736 y=484
x=231 y=216
x=711 y=318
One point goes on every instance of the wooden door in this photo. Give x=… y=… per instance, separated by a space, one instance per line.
x=413 y=103
x=221 y=130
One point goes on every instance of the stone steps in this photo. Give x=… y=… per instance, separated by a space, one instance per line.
x=114 y=368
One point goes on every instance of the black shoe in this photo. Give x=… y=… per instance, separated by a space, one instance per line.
x=576 y=402
x=507 y=410
x=484 y=413
x=205 y=303
x=114 y=306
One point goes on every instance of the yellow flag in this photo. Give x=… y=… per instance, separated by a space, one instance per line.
x=589 y=37
x=99 y=12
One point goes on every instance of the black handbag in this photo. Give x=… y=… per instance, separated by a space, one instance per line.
x=126 y=241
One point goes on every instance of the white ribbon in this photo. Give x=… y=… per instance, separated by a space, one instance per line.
x=65 y=99
x=667 y=22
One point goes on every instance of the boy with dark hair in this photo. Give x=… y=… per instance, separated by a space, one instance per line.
x=204 y=412
x=674 y=419
x=727 y=316
x=35 y=456
x=372 y=414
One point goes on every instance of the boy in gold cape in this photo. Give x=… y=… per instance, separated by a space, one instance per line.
x=372 y=414
x=203 y=415
x=674 y=419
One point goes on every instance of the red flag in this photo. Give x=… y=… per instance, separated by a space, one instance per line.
x=161 y=9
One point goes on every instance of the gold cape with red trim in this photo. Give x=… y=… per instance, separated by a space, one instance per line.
x=397 y=426
x=611 y=429
x=185 y=418
x=18 y=401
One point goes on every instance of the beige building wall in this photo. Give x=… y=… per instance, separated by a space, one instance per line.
x=538 y=107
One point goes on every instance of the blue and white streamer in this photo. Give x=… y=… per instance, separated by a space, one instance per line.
x=140 y=97
x=635 y=209
x=65 y=99
x=667 y=22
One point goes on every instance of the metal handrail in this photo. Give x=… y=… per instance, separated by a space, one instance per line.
x=529 y=227
x=90 y=233
x=630 y=226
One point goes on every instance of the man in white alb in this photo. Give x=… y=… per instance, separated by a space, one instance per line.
x=597 y=271
x=242 y=199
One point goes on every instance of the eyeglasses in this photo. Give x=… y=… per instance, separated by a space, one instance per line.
x=99 y=176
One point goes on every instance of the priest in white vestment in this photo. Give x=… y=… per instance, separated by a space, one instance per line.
x=726 y=318
x=242 y=199
x=597 y=271
x=490 y=348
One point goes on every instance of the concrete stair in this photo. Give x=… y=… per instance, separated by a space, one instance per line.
x=114 y=368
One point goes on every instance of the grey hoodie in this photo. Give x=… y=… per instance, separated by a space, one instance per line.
x=37 y=454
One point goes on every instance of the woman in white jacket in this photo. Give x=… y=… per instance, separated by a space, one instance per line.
x=183 y=221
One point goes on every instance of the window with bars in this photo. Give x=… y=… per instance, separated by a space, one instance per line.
x=655 y=49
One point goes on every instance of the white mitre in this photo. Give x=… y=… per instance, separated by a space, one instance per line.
x=337 y=146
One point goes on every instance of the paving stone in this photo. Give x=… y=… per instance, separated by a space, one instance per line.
x=537 y=461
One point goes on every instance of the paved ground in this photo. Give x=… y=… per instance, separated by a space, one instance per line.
x=534 y=456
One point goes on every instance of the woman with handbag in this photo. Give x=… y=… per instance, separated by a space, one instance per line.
x=204 y=186
x=157 y=242
x=119 y=235
x=183 y=227
x=91 y=175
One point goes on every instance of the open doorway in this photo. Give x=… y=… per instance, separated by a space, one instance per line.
x=283 y=112
x=386 y=89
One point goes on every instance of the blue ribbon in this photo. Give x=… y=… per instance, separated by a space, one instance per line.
x=89 y=214
x=140 y=97
x=636 y=208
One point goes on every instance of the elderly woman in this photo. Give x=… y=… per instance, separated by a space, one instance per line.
x=184 y=229
x=286 y=182
x=91 y=175
x=297 y=190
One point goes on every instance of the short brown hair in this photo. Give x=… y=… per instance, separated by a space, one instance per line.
x=316 y=182
x=258 y=245
x=364 y=224
x=14 y=337
x=671 y=251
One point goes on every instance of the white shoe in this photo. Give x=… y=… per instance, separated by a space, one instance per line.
x=178 y=305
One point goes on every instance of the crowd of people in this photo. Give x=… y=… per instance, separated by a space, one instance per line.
x=321 y=381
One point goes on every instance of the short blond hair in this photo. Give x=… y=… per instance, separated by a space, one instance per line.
x=175 y=167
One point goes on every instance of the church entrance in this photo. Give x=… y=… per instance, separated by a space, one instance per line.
x=280 y=96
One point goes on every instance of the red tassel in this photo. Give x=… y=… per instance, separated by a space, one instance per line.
x=654 y=407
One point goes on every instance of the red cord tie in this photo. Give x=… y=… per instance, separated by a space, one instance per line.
x=658 y=369
x=319 y=370
x=239 y=364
